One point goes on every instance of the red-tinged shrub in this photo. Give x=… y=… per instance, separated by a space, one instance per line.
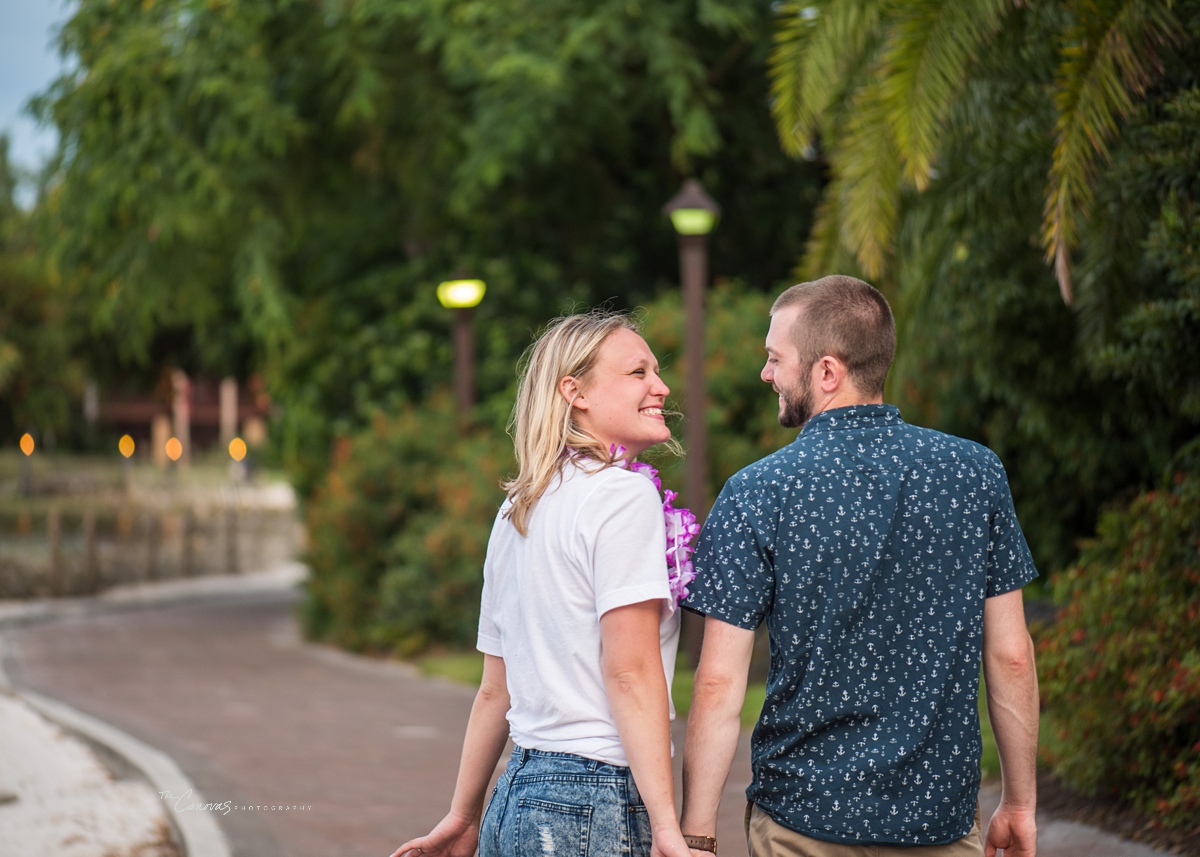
x=398 y=532
x=1120 y=669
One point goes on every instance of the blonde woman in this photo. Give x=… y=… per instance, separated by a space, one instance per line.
x=578 y=624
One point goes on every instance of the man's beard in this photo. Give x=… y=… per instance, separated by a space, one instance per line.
x=797 y=408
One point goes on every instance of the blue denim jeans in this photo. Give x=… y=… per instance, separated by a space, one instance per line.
x=564 y=805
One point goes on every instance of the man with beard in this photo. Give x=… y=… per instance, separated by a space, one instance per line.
x=887 y=563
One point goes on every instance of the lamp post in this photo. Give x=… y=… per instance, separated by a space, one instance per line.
x=237 y=452
x=175 y=451
x=126 y=447
x=693 y=213
x=463 y=296
x=25 y=480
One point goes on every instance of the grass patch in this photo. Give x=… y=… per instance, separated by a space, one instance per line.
x=681 y=695
x=990 y=760
x=466 y=667
x=681 y=691
x=756 y=695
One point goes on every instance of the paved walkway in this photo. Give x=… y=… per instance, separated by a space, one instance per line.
x=316 y=752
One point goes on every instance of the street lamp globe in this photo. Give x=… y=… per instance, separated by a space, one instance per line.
x=692 y=210
x=460 y=294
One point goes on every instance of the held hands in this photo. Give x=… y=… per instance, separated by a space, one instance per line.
x=454 y=836
x=668 y=845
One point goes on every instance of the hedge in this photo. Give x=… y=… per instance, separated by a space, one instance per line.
x=1120 y=668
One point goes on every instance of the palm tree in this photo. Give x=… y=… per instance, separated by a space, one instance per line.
x=873 y=84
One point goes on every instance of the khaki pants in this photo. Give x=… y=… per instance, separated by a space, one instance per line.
x=768 y=838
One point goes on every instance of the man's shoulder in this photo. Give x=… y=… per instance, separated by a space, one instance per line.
x=944 y=445
x=783 y=463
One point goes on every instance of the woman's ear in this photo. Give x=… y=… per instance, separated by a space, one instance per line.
x=571 y=391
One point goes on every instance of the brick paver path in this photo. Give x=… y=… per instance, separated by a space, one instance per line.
x=256 y=717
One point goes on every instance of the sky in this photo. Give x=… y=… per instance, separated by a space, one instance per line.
x=28 y=63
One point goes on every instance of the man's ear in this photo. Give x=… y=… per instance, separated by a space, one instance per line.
x=572 y=392
x=830 y=373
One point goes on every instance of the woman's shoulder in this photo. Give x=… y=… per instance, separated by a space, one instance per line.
x=615 y=485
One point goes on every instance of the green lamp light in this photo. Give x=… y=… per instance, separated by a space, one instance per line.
x=461 y=294
x=692 y=210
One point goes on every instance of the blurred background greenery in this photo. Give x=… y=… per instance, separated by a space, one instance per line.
x=274 y=188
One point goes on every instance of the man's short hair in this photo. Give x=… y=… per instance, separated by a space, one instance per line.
x=848 y=319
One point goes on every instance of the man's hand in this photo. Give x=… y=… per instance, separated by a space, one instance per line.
x=1012 y=830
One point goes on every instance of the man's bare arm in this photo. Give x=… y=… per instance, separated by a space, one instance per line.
x=1011 y=683
x=714 y=723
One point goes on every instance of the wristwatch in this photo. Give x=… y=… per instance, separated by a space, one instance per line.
x=701 y=843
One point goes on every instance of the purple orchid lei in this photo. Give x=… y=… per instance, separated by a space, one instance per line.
x=682 y=527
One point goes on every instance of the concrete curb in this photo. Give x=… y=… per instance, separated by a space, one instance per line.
x=17 y=612
x=199 y=833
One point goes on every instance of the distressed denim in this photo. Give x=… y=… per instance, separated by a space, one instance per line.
x=564 y=805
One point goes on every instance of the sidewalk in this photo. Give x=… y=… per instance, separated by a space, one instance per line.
x=297 y=749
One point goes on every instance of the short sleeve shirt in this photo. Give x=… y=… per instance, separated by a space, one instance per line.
x=596 y=542
x=869 y=547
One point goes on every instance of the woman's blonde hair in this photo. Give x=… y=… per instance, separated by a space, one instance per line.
x=543 y=422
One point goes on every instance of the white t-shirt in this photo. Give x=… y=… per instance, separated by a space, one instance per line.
x=596 y=541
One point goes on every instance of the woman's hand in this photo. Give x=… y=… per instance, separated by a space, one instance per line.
x=487 y=731
x=672 y=845
x=454 y=836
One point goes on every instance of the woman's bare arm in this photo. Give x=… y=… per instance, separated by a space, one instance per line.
x=631 y=662
x=457 y=834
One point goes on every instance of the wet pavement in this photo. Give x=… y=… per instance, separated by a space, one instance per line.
x=306 y=750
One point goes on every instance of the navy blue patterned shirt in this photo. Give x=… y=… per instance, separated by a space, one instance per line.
x=869 y=546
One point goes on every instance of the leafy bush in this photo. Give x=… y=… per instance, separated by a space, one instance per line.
x=1121 y=666
x=398 y=532
x=398 y=527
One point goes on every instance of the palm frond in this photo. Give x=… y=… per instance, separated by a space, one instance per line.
x=924 y=65
x=824 y=244
x=817 y=47
x=1108 y=58
x=794 y=121
x=868 y=163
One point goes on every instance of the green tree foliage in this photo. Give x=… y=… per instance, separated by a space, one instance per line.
x=40 y=375
x=876 y=83
x=279 y=185
x=1120 y=669
x=1141 y=319
x=1087 y=405
x=1084 y=404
